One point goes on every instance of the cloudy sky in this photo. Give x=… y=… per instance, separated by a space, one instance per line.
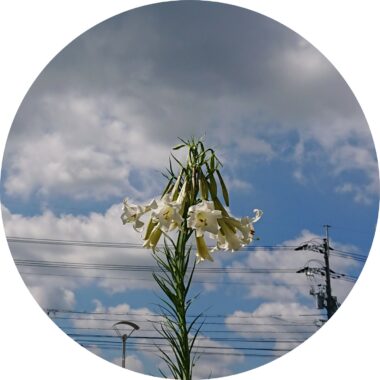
x=98 y=125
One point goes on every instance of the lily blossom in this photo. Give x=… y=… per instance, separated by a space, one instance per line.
x=247 y=229
x=245 y=226
x=230 y=241
x=203 y=217
x=132 y=213
x=166 y=214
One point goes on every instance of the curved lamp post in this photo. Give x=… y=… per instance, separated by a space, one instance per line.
x=117 y=327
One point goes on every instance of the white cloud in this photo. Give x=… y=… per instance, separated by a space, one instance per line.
x=83 y=154
x=131 y=362
x=58 y=297
x=102 y=113
x=95 y=227
x=285 y=321
x=211 y=366
x=102 y=317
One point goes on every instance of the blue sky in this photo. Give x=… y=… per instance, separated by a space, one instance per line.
x=103 y=116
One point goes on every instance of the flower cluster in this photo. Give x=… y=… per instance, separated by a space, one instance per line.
x=230 y=234
x=191 y=203
x=167 y=215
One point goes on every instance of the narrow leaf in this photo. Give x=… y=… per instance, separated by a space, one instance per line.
x=224 y=189
x=168 y=187
x=176 y=159
x=178 y=146
x=212 y=162
x=203 y=185
x=212 y=186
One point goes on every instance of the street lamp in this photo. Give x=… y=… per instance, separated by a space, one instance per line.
x=118 y=327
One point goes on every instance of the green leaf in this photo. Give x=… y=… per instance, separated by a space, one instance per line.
x=200 y=143
x=219 y=162
x=219 y=206
x=203 y=185
x=224 y=189
x=168 y=187
x=171 y=168
x=178 y=162
x=212 y=186
x=212 y=162
x=178 y=146
x=184 y=141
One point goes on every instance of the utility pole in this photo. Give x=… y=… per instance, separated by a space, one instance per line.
x=331 y=305
x=324 y=295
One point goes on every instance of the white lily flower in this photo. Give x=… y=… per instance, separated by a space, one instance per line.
x=203 y=217
x=245 y=226
x=247 y=229
x=132 y=213
x=228 y=238
x=166 y=214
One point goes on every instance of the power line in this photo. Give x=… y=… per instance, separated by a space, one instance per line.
x=126 y=245
x=196 y=323
x=106 y=244
x=352 y=255
x=221 y=282
x=88 y=339
x=150 y=268
x=217 y=339
x=199 y=338
x=204 y=331
x=157 y=315
x=147 y=349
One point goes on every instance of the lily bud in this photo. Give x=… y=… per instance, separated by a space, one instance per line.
x=202 y=250
x=153 y=239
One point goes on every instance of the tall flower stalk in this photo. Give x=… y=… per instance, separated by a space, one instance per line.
x=189 y=206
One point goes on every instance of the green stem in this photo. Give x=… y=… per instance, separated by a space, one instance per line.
x=181 y=266
x=175 y=286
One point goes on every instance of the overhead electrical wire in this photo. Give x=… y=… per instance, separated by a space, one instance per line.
x=140 y=344
x=203 y=331
x=196 y=323
x=216 y=339
x=221 y=282
x=153 y=350
x=151 y=268
x=65 y=311
x=107 y=244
